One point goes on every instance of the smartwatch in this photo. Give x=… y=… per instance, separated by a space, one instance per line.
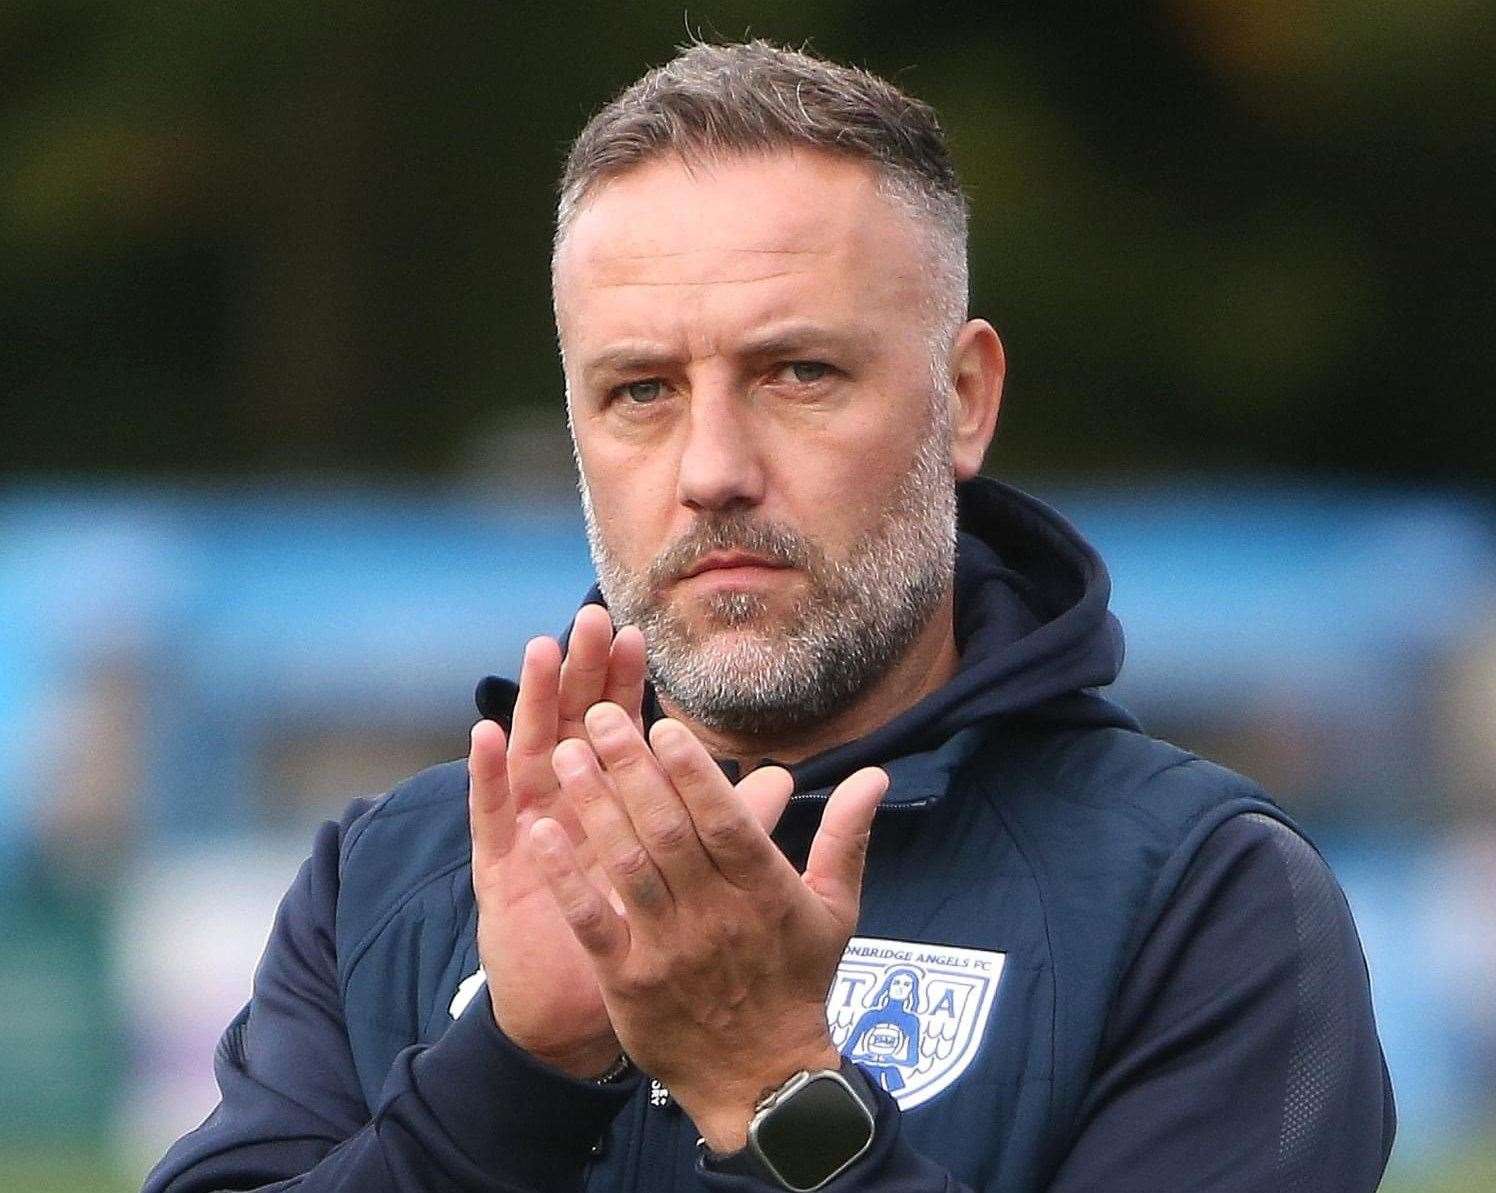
x=808 y=1131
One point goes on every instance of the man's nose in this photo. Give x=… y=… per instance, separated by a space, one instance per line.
x=720 y=462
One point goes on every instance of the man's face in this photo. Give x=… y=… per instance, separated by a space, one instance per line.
x=763 y=442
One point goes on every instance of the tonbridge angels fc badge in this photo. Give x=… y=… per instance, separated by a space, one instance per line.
x=912 y=1015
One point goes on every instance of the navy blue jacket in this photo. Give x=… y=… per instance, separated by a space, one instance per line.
x=1086 y=960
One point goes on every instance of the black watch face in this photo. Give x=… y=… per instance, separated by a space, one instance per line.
x=816 y=1133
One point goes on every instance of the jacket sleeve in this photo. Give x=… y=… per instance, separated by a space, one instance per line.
x=1240 y=1053
x=470 y=1112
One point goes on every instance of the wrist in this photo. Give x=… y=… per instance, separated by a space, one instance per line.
x=807 y=1132
x=588 y=1060
x=602 y=1063
x=616 y=1072
x=722 y=1113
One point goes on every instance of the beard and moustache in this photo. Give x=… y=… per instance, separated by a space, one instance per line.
x=740 y=669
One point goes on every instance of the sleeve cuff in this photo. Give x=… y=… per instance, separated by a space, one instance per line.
x=506 y=1109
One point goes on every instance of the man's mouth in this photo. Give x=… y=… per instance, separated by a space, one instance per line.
x=715 y=561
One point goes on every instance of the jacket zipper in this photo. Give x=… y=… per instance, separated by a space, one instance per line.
x=910 y=805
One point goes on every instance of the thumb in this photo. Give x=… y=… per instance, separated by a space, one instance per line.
x=834 y=869
x=767 y=792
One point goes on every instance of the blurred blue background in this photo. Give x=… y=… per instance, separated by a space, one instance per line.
x=285 y=471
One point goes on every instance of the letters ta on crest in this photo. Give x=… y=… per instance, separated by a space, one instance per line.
x=912 y=1015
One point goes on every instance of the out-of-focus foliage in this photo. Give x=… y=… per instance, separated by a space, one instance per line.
x=281 y=233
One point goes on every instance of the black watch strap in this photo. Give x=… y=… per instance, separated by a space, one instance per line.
x=807 y=1132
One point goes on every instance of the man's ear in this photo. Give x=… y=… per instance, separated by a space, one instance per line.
x=977 y=369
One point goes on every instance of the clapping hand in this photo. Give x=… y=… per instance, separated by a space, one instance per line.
x=711 y=956
x=545 y=997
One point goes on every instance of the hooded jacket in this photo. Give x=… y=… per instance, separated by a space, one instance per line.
x=1084 y=960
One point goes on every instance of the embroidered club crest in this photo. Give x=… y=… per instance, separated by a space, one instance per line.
x=912 y=1015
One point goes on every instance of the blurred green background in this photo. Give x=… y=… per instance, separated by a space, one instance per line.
x=241 y=236
x=284 y=247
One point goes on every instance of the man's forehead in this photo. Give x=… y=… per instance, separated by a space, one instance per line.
x=722 y=264
x=667 y=222
x=706 y=254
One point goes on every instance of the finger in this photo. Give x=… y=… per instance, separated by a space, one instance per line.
x=731 y=833
x=626 y=862
x=767 y=792
x=626 y=673
x=655 y=808
x=598 y=928
x=490 y=810
x=585 y=670
x=533 y=733
x=834 y=869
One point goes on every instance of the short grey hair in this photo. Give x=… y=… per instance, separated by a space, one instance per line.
x=714 y=101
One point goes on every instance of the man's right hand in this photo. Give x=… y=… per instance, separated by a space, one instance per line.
x=544 y=990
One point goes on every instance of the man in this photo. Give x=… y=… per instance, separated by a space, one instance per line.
x=867 y=803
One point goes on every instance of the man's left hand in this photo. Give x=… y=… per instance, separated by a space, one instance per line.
x=716 y=959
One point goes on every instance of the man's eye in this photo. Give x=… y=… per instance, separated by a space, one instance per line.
x=807 y=372
x=641 y=392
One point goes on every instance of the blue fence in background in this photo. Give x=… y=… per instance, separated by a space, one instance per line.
x=216 y=624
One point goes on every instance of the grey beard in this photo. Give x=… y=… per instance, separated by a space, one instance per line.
x=857 y=617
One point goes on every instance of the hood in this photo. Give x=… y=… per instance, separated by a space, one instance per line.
x=1033 y=631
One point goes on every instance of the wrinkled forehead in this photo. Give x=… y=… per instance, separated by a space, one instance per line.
x=674 y=227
